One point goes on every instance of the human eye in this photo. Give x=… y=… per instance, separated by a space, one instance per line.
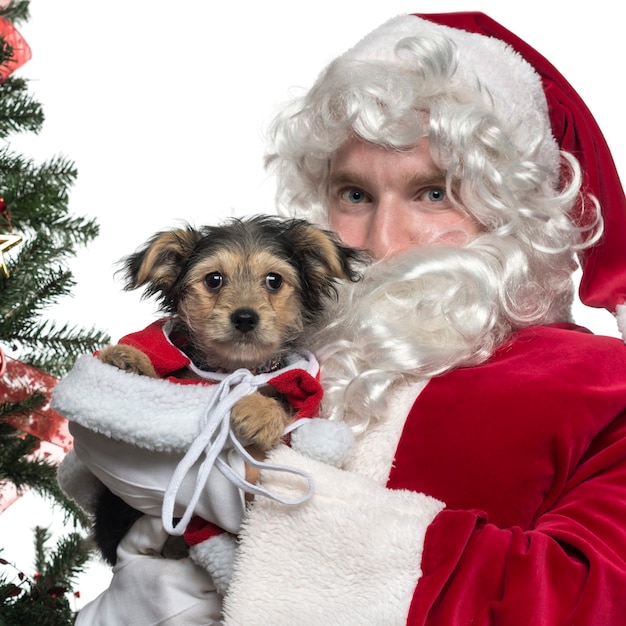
x=435 y=194
x=353 y=195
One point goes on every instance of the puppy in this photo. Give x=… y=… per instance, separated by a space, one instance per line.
x=240 y=295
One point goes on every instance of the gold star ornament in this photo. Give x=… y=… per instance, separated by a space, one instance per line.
x=6 y=243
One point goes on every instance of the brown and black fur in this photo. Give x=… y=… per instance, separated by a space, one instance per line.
x=243 y=295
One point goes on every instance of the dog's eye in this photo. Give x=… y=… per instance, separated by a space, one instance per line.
x=273 y=281
x=214 y=281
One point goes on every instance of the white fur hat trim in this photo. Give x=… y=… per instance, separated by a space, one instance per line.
x=486 y=63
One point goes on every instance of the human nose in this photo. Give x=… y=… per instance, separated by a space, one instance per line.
x=388 y=233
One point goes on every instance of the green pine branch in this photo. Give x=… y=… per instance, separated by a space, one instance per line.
x=40 y=476
x=42 y=342
x=20 y=465
x=34 y=204
x=66 y=343
x=25 y=407
x=18 y=11
x=43 y=598
x=18 y=110
x=32 y=273
x=38 y=273
x=35 y=193
x=43 y=285
x=63 y=565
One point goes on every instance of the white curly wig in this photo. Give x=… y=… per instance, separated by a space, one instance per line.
x=432 y=309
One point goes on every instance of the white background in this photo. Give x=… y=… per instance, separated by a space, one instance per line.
x=162 y=106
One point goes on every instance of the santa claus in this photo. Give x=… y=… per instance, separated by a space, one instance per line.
x=487 y=482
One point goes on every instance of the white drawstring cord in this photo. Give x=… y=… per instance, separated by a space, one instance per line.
x=214 y=431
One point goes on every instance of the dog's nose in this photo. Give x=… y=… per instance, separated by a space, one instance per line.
x=244 y=320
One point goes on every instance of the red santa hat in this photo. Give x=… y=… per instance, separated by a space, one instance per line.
x=531 y=93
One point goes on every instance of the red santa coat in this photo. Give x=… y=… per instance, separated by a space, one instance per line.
x=530 y=459
x=526 y=458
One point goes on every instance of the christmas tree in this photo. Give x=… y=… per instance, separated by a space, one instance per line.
x=37 y=238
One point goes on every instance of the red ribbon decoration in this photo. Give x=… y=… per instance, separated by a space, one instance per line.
x=17 y=382
x=21 y=50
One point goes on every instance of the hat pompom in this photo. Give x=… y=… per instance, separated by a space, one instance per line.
x=323 y=440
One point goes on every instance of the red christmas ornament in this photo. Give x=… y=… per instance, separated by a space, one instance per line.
x=5 y=214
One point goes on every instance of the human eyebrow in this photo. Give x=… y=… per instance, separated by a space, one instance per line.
x=430 y=179
x=434 y=179
x=347 y=178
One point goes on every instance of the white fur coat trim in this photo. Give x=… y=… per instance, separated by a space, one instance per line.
x=620 y=315
x=147 y=412
x=333 y=559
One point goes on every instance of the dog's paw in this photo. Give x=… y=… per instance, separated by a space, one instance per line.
x=128 y=359
x=259 y=420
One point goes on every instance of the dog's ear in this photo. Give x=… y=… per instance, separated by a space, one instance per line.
x=322 y=259
x=323 y=252
x=159 y=264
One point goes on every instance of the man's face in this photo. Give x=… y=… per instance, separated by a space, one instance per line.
x=387 y=201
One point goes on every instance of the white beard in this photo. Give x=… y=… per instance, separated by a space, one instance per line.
x=417 y=316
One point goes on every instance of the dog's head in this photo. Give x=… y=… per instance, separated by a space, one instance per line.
x=245 y=289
